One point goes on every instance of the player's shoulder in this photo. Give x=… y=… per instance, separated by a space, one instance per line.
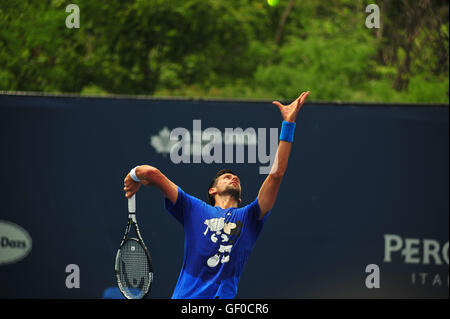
x=252 y=204
x=191 y=198
x=249 y=207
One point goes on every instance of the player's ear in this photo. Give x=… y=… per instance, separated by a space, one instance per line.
x=212 y=191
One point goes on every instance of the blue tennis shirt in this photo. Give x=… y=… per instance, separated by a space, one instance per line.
x=217 y=243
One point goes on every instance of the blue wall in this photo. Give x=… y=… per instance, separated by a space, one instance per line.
x=356 y=174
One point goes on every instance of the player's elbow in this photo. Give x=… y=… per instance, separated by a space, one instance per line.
x=150 y=173
x=277 y=174
x=278 y=170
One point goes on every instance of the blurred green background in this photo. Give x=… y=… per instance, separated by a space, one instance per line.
x=229 y=49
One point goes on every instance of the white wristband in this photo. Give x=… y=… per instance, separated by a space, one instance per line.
x=134 y=176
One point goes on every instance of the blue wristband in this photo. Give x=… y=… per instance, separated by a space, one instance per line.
x=134 y=176
x=287 y=131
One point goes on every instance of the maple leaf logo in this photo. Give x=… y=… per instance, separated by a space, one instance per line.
x=161 y=142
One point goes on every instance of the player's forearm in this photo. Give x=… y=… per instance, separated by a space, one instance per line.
x=151 y=176
x=269 y=189
x=147 y=173
x=281 y=160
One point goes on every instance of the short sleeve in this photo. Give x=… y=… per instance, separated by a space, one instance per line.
x=178 y=209
x=186 y=206
x=253 y=212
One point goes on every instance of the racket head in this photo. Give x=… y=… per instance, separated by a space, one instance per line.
x=134 y=270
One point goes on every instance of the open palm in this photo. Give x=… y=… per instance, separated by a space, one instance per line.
x=289 y=112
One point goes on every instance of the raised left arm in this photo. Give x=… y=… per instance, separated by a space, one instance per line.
x=269 y=189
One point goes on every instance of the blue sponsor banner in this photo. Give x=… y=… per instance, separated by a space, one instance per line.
x=362 y=211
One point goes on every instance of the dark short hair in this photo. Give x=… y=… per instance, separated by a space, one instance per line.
x=211 y=198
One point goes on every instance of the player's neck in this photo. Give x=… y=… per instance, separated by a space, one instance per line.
x=226 y=201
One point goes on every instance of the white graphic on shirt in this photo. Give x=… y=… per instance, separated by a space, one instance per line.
x=223 y=231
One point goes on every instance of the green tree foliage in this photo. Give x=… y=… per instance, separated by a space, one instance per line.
x=232 y=48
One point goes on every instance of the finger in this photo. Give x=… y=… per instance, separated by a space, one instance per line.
x=306 y=96
x=303 y=97
x=298 y=101
x=280 y=106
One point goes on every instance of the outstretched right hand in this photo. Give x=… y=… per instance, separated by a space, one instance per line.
x=289 y=112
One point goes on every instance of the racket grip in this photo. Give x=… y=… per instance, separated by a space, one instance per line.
x=132 y=204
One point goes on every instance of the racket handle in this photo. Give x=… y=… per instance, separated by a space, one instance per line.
x=132 y=204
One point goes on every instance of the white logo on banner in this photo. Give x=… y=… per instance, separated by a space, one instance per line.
x=421 y=252
x=15 y=243
x=161 y=142
x=210 y=145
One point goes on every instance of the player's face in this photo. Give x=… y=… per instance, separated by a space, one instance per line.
x=228 y=181
x=227 y=184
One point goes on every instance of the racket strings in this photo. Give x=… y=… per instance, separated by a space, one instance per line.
x=134 y=269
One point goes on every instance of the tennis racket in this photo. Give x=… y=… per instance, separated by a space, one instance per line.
x=134 y=271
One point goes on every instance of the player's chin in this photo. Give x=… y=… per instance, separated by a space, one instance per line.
x=233 y=189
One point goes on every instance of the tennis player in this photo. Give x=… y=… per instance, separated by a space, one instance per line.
x=219 y=236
